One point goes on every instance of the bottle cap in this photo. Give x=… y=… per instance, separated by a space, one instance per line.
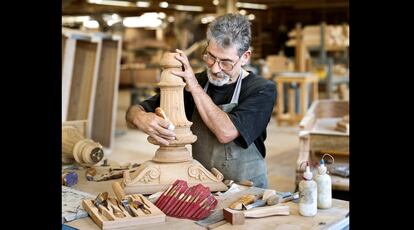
x=307 y=174
x=322 y=167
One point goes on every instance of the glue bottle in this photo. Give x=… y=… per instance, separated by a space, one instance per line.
x=324 y=184
x=308 y=193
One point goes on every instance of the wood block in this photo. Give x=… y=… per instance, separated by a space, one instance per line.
x=233 y=217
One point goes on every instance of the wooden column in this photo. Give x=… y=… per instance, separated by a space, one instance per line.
x=226 y=6
x=174 y=161
x=172 y=102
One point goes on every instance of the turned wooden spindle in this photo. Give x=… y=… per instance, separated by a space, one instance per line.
x=76 y=146
x=173 y=161
x=172 y=102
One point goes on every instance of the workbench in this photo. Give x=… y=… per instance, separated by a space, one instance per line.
x=303 y=80
x=333 y=218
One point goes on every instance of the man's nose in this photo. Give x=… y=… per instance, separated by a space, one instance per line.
x=215 y=68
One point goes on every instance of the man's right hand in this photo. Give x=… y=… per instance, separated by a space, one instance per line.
x=151 y=124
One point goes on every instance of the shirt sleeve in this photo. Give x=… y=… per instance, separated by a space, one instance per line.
x=253 y=113
x=151 y=103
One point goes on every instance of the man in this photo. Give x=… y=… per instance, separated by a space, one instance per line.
x=229 y=107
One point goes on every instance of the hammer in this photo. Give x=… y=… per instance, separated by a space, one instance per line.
x=238 y=217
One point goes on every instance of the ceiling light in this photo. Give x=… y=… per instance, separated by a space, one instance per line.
x=146 y=20
x=242 y=12
x=162 y=15
x=112 y=3
x=170 y=19
x=163 y=4
x=113 y=21
x=91 y=24
x=143 y=4
x=188 y=8
x=251 y=6
x=216 y=2
x=251 y=17
x=74 y=19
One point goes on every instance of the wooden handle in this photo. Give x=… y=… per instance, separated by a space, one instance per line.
x=161 y=113
x=119 y=192
x=246 y=199
x=279 y=210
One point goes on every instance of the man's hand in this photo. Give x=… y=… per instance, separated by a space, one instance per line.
x=151 y=124
x=187 y=74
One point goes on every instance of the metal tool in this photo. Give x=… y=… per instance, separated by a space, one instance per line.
x=142 y=200
x=138 y=205
x=101 y=199
x=258 y=203
x=117 y=213
x=125 y=204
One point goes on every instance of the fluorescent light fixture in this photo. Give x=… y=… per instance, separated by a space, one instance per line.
x=216 y=2
x=170 y=19
x=162 y=15
x=207 y=19
x=242 y=12
x=91 y=24
x=74 y=19
x=112 y=3
x=146 y=20
x=251 y=17
x=113 y=21
x=251 y=6
x=143 y=4
x=188 y=8
x=163 y=4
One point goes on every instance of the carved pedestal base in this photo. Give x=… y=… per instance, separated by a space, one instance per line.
x=153 y=176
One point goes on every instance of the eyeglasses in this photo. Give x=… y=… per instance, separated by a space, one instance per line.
x=224 y=65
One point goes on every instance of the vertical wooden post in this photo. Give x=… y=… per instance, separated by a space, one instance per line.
x=303 y=97
x=300 y=50
x=291 y=105
x=314 y=91
x=280 y=102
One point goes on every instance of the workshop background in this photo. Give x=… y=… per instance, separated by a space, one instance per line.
x=110 y=60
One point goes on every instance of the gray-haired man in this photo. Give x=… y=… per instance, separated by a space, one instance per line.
x=229 y=107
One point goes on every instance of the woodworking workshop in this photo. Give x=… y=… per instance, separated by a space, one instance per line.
x=215 y=114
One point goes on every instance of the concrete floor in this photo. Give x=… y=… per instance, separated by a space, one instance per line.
x=282 y=146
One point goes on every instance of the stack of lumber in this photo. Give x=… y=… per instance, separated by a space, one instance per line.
x=336 y=36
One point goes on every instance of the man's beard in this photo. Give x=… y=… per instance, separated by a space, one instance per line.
x=221 y=80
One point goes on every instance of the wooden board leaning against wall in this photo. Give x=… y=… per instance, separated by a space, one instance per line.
x=90 y=77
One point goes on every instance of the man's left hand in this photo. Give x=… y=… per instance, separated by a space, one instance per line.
x=187 y=74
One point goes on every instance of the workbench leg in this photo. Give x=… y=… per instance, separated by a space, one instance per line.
x=303 y=99
x=315 y=91
x=291 y=107
x=280 y=104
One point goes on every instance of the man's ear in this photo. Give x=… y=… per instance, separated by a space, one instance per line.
x=246 y=57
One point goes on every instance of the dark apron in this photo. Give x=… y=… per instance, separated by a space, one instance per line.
x=233 y=161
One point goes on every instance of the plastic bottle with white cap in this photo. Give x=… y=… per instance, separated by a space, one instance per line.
x=324 y=184
x=308 y=194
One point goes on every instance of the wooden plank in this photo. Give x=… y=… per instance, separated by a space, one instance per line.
x=84 y=78
x=67 y=70
x=106 y=93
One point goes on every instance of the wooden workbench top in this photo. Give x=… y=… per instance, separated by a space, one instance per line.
x=333 y=218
